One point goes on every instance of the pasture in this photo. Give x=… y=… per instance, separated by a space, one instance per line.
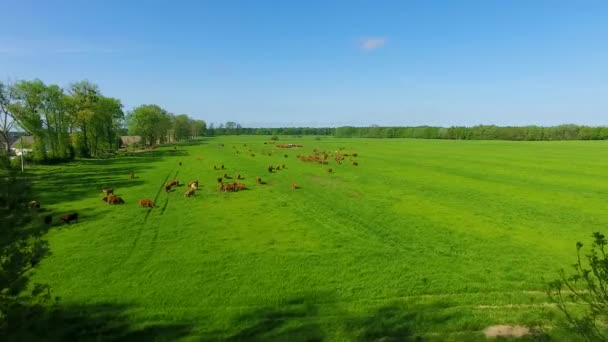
x=422 y=239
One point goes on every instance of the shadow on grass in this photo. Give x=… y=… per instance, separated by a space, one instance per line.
x=64 y=183
x=300 y=320
x=101 y=322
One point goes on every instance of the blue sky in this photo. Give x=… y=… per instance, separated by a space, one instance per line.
x=319 y=63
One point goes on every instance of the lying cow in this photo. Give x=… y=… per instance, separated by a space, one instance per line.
x=146 y=203
x=113 y=200
x=193 y=184
x=69 y=218
x=189 y=193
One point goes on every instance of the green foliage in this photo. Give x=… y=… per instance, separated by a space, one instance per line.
x=482 y=132
x=21 y=248
x=150 y=122
x=274 y=137
x=588 y=286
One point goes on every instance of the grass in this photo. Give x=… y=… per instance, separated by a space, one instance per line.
x=424 y=239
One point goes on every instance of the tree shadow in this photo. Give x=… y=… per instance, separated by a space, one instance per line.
x=299 y=319
x=100 y=322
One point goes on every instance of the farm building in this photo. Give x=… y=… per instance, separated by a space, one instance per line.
x=128 y=140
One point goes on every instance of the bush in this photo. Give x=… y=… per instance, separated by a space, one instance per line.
x=16 y=163
x=587 y=286
x=274 y=137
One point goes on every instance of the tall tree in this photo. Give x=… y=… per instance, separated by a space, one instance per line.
x=7 y=121
x=28 y=108
x=181 y=127
x=84 y=96
x=150 y=122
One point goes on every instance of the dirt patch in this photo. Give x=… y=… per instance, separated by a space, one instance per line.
x=506 y=331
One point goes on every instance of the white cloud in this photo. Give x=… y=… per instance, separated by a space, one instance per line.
x=372 y=43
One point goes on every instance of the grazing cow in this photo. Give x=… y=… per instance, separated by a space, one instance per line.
x=278 y=168
x=283 y=166
x=270 y=168
x=146 y=203
x=168 y=188
x=226 y=176
x=69 y=218
x=189 y=193
x=215 y=167
x=240 y=186
x=107 y=191
x=34 y=204
x=258 y=180
x=222 y=167
x=220 y=187
x=354 y=154
x=115 y=200
x=294 y=186
x=220 y=180
x=193 y=184
x=174 y=182
x=230 y=187
x=238 y=176
x=330 y=170
x=355 y=163
x=48 y=219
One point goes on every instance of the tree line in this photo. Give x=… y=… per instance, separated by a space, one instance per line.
x=79 y=121
x=481 y=132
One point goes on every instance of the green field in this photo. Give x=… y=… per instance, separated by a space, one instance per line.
x=424 y=238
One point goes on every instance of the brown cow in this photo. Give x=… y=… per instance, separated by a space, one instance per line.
x=146 y=203
x=69 y=218
x=230 y=187
x=258 y=180
x=294 y=186
x=355 y=163
x=189 y=193
x=240 y=186
x=107 y=191
x=168 y=188
x=115 y=200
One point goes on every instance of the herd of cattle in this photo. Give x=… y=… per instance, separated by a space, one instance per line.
x=224 y=185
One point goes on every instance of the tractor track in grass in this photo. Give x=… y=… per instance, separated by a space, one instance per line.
x=144 y=224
